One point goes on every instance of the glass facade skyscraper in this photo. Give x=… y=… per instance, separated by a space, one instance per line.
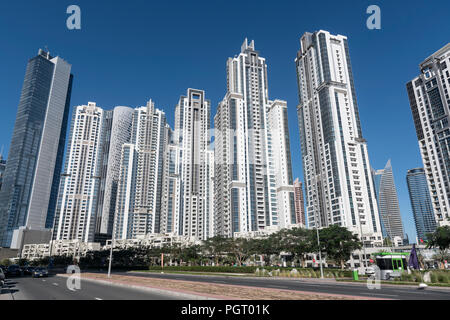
x=31 y=179
x=388 y=207
x=421 y=203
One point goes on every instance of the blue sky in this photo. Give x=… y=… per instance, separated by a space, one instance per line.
x=130 y=51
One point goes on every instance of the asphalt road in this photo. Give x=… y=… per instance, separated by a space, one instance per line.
x=55 y=288
x=354 y=289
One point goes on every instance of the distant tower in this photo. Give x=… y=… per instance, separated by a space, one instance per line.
x=31 y=179
x=388 y=207
x=421 y=203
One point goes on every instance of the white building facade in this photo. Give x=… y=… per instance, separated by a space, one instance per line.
x=118 y=132
x=338 y=182
x=429 y=100
x=138 y=206
x=76 y=212
x=192 y=125
x=249 y=178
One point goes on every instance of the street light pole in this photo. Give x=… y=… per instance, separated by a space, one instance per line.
x=317 y=232
x=112 y=246
x=320 y=252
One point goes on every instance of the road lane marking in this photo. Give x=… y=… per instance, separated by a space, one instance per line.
x=378 y=294
x=98 y=299
x=55 y=284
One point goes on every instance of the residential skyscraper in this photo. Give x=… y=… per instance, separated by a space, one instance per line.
x=388 y=207
x=138 y=206
x=171 y=195
x=77 y=204
x=30 y=183
x=252 y=151
x=192 y=125
x=421 y=203
x=338 y=181
x=299 y=202
x=429 y=100
x=117 y=132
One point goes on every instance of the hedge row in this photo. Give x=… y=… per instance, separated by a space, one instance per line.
x=246 y=269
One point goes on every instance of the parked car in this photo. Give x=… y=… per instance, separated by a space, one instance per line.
x=14 y=271
x=40 y=272
x=28 y=270
x=2 y=278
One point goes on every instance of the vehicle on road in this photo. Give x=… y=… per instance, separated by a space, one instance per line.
x=40 y=272
x=2 y=278
x=391 y=264
x=28 y=271
x=14 y=271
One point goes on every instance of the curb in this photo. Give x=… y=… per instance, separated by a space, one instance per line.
x=332 y=280
x=180 y=294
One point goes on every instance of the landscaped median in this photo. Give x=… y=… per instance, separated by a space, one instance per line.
x=212 y=290
x=286 y=272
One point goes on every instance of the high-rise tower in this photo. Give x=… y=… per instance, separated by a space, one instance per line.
x=77 y=204
x=338 y=181
x=430 y=102
x=138 y=205
x=30 y=183
x=253 y=175
x=192 y=124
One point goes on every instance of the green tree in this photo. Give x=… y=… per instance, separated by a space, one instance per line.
x=242 y=249
x=338 y=243
x=216 y=247
x=298 y=242
x=440 y=239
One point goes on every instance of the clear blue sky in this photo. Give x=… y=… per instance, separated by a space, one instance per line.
x=130 y=51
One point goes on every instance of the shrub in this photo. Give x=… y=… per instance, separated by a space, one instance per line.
x=442 y=277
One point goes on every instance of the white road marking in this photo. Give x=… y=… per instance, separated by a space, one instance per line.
x=98 y=299
x=55 y=284
x=378 y=294
x=43 y=280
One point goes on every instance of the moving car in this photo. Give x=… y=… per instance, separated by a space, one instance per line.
x=40 y=272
